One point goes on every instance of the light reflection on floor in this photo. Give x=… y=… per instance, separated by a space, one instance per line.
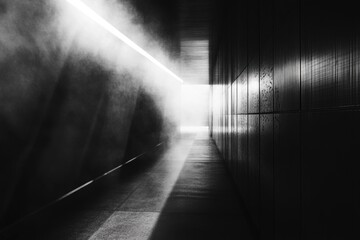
x=185 y=193
x=137 y=216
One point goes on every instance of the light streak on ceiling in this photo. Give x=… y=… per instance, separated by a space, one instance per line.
x=87 y=11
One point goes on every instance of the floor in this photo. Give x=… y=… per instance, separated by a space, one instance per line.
x=182 y=193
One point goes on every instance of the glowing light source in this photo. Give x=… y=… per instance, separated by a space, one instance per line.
x=111 y=29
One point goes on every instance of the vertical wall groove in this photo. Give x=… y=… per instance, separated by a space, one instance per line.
x=295 y=67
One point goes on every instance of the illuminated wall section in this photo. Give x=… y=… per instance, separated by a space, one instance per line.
x=72 y=108
x=285 y=113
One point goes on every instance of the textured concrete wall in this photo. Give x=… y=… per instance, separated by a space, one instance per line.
x=285 y=78
x=66 y=117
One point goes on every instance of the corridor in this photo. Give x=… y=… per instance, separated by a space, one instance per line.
x=181 y=119
x=184 y=193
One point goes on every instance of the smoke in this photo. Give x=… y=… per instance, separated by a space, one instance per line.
x=29 y=56
x=94 y=39
x=90 y=38
x=42 y=39
x=51 y=31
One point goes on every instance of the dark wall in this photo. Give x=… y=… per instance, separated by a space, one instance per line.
x=160 y=18
x=285 y=77
x=92 y=122
x=66 y=117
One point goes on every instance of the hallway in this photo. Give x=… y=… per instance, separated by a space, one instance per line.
x=185 y=193
x=93 y=95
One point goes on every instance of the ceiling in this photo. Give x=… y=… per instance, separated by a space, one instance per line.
x=183 y=26
x=194 y=18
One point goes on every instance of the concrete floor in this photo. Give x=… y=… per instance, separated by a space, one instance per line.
x=185 y=193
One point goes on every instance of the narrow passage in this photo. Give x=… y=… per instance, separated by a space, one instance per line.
x=185 y=193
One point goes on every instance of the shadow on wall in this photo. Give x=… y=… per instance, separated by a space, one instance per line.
x=146 y=127
x=65 y=120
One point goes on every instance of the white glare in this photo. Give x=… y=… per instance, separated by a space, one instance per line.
x=194 y=105
x=110 y=28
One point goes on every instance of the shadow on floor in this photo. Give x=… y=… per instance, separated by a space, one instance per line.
x=203 y=203
x=80 y=215
x=180 y=191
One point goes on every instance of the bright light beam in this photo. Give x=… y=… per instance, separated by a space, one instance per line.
x=110 y=28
